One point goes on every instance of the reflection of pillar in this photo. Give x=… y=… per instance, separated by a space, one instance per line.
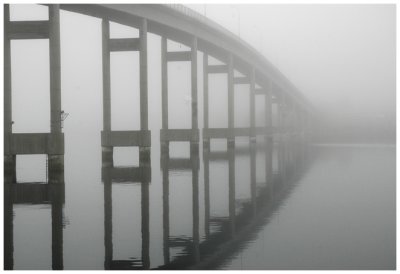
x=194 y=146
x=195 y=200
x=106 y=151
x=144 y=152
x=108 y=246
x=165 y=214
x=206 y=142
x=232 y=209
x=231 y=103
x=253 y=183
x=206 y=192
x=8 y=229
x=57 y=230
x=145 y=225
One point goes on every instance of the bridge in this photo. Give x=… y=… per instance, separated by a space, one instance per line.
x=287 y=116
x=171 y=22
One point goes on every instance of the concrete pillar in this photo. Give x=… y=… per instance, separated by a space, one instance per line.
x=252 y=106
x=269 y=141
x=7 y=75
x=106 y=76
x=55 y=68
x=196 y=219
x=144 y=152
x=206 y=142
x=107 y=152
x=9 y=160
x=165 y=198
x=231 y=103
x=145 y=225
x=55 y=162
x=194 y=145
x=164 y=92
x=232 y=195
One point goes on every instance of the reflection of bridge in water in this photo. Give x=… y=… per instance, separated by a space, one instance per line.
x=286 y=129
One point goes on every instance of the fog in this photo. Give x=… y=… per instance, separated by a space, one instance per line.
x=280 y=202
x=340 y=57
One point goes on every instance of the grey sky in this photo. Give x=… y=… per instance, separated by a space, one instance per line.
x=341 y=57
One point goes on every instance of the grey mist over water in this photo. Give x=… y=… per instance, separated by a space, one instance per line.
x=321 y=207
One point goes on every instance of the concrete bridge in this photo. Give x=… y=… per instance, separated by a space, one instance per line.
x=171 y=22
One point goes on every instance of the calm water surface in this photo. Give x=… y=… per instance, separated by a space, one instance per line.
x=330 y=207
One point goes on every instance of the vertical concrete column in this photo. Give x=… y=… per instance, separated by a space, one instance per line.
x=252 y=106
x=144 y=152
x=269 y=137
x=232 y=191
x=106 y=76
x=206 y=142
x=165 y=198
x=55 y=161
x=164 y=91
x=7 y=76
x=196 y=219
x=55 y=68
x=231 y=103
x=194 y=145
x=107 y=152
x=145 y=225
x=9 y=160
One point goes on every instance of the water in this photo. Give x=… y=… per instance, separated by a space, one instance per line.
x=330 y=207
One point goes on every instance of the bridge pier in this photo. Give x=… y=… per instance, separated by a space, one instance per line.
x=51 y=144
x=140 y=138
x=179 y=135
